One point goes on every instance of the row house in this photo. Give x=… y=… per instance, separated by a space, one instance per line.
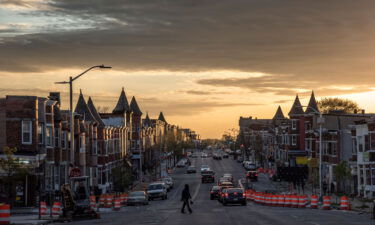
x=284 y=140
x=363 y=157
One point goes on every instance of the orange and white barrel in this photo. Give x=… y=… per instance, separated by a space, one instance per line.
x=327 y=202
x=108 y=201
x=102 y=201
x=302 y=201
x=314 y=202
x=294 y=200
x=4 y=214
x=56 y=209
x=344 y=203
x=117 y=205
x=281 y=200
x=93 y=204
x=43 y=209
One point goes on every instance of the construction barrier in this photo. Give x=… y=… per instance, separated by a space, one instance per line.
x=327 y=202
x=302 y=201
x=344 y=203
x=56 y=209
x=43 y=209
x=108 y=201
x=280 y=200
x=93 y=204
x=287 y=201
x=294 y=200
x=117 y=205
x=102 y=200
x=4 y=214
x=314 y=202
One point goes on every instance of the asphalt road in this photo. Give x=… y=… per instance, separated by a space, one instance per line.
x=206 y=211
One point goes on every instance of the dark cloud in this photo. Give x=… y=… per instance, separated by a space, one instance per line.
x=304 y=44
x=286 y=85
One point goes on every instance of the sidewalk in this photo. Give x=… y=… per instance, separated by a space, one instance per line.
x=29 y=219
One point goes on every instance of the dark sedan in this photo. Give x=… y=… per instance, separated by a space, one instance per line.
x=233 y=196
x=215 y=192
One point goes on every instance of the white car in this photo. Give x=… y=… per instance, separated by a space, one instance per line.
x=157 y=190
x=169 y=182
x=204 y=168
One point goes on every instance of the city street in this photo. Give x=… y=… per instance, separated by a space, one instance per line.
x=208 y=211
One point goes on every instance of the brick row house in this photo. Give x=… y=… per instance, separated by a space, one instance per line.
x=104 y=142
x=293 y=141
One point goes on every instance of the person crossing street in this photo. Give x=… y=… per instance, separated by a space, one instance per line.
x=186 y=199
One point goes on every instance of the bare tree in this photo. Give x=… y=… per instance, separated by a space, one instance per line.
x=103 y=109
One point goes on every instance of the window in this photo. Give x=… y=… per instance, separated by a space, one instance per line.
x=49 y=136
x=372 y=141
x=40 y=134
x=63 y=140
x=57 y=137
x=94 y=147
x=354 y=146
x=26 y=132
x=367 y=142
x=294 y=124
x=294 y=140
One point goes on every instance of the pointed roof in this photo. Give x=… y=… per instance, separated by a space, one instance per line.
x=312 y=105
x=94 y=112
x=296 y=108
x=135 y=108
x=161 y=117
x=122 y=104
x=83 y=109
x=147 y=121
x=279 y=114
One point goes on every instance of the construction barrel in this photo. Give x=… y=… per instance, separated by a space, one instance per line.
x=93 y=204
x=56 y=209
x=43 y=209
x=4 y=214
x=117 y=205
x=314 y=202
x=327 y=202
x=344 y=203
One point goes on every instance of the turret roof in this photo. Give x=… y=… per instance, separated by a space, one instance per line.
x=296 y=108
x=122 y=104
x=94 y=112
x=83 y=109
x=161 y=117
x=313 y=106
x=135 y=108
x=279 y=114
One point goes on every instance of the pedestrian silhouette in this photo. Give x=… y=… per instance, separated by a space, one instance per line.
x=186 y=198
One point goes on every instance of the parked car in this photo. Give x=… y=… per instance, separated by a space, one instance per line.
x=233 y=196
x=137 y=198
x=225 y=156
x=204 y=155
x=215 y=192
x=169 y=182
x=208 y=176
x=191 y=169
x=157 y=190
x=240 y=159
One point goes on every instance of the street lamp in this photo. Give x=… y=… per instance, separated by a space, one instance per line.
x=320 y=121
x=70 y=82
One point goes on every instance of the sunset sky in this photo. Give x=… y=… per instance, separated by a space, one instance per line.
x=203 y=63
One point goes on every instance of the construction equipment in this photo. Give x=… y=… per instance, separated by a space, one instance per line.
x=75 y=198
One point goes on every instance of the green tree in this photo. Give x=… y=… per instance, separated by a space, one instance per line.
x=122 y=178
x=342 y=173
x=328 y=104
x=13 y=171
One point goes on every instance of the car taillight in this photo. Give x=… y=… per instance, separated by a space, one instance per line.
x=256 y=174
x=235 y=193
x=226 y=194
x=212 y=192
